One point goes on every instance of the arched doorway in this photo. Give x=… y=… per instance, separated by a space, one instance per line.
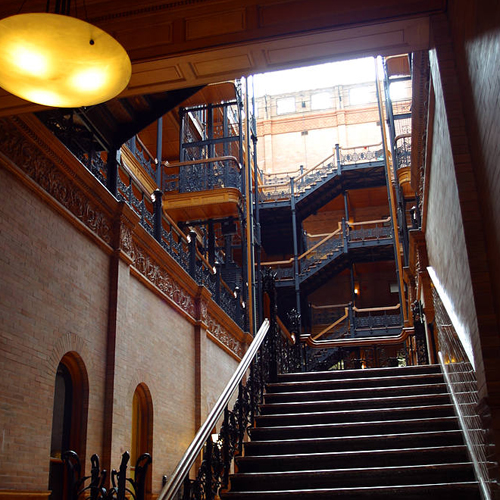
x=142 y=430
x=69 y=418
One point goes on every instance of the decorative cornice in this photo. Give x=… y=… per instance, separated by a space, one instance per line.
x=226 y=338
x=157 y=274
x=35 y=160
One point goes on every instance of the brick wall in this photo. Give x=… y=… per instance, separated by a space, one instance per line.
x=59 y=270
x=54 y=299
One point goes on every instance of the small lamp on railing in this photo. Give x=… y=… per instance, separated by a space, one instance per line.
x=57 y=60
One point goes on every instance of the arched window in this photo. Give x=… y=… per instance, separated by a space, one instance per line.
x=69 y=418
x=142 y=429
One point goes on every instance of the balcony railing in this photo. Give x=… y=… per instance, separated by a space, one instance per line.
x=278 y=186
x=331 y=245
x=403 y=151
x=202 y=175
x=349 y=320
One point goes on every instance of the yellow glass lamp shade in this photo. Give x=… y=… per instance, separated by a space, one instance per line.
x=60 y=61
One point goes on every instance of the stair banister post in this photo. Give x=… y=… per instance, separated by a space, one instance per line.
x=208 y=463
x=295 y=246
x=218 y=270
x=157 y=207
x=351 y=319
x=344 y=235
x=337 y=155
x=192 y=254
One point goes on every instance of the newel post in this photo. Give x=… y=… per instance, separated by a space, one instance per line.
x=192 y=254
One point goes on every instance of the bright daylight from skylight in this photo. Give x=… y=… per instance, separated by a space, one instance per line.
x=315 y=77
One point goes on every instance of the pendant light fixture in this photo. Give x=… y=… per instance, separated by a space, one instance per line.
x=61 y=61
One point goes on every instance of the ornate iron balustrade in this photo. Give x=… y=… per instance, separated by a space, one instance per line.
x=142 y=154
x=203 y=175
x=327 y=249
x=361 y=154
x=370 y=230
x=371 y=321
x=331 y=246
x=328 y=314
x=122 y=487
x=277 y=187
x=271 y=350
x=403 y=151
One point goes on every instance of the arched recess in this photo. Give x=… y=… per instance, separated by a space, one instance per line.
x=69 y=418
x=142 y=430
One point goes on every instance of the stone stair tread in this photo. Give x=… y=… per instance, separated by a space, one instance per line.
x=351 y=459
x=392 y=380
x=354 y=413
x=440 y=388
x=442 y=491
x=360 y=470
x=450 y=420
x=372 y=372
x=357 y=437
x=378 y=402
x=453 y=450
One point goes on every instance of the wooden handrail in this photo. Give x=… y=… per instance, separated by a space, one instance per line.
x=377 y=309
x=326 y=238
x=143 y=146
x=381 y=340
x=330 y=306
x=305 y=254
x=402 y=136
x=333 y=325
x=194 y=449
x=313 y=168
x=205 y=160
x=284 y=330
x=379 y=221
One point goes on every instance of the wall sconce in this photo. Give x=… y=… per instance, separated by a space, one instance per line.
x=58 y=60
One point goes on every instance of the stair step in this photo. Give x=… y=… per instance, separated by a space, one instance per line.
x=423 y=424
x=352 y=443
x=359 y=373
x=363 y=415
x=331 y=384
x=353 y=404
x=363 y=476
x=336 y=394
x=465 y=490
x=355 y=459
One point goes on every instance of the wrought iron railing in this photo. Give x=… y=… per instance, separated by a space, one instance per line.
x=202 y=175
x=278 y=186
x=403 y=151
x=370 y=230
x=92 y=487
x=377 y=318
x=331 y=246
x=274 y=350
x=148 y=207
x=350 y=320
x=345 y=352
x=148 y=162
